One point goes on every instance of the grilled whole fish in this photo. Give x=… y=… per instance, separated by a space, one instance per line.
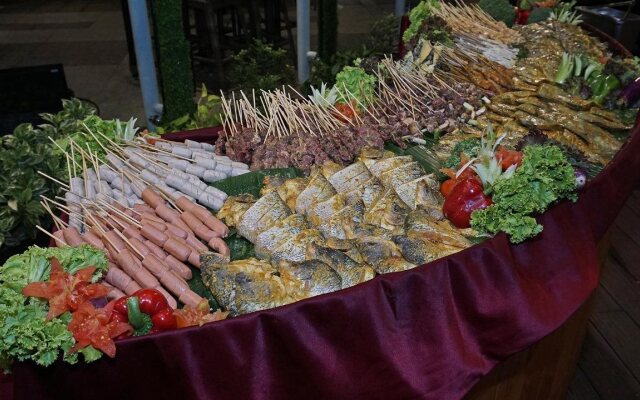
x=318 y=278
x=319 y=189
x=348 y=178
x=295 y=248
x=282 y=231
x=388 y=212
x=382 y=254
x=379 y=215
x=288 y=189
x=234 y=208
x=350 y=271
x=264 y=214
x=245 y=286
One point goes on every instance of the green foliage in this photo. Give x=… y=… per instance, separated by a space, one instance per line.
x=355 y=82
x=500 y=10
x=470 y=147
x=93 y=133
x=539 y=14
x=326 y=71
x=417 y=17
x=29 y=150
x=436 y=30
x=33 y=265
x=544 y=177
x=384 y=35
x=23 y=154
x=260 y=67
x=174 y=58
x=26 y=335
x=327 y=28
x=208 y=114
x=564 y=12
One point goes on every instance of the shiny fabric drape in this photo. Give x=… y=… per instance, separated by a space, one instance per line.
x=428 y=333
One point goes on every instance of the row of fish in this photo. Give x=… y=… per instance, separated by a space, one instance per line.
x=335 y=229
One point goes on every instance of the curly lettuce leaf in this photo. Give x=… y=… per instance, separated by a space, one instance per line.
x=26 y=335
x=33 y=265
x=545 y=176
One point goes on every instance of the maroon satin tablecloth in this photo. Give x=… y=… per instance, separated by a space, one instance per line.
x=428 y=333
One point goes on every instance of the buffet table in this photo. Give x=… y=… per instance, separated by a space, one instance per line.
x=432 y=332
x=493 y=321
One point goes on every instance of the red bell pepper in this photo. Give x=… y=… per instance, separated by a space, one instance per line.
x=522 y=16
x=146 y=310
x=465 y=197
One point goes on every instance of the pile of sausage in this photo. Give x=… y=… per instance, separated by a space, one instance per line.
x=149 y=245
x=184 y=169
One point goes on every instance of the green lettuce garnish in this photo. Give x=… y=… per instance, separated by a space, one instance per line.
x=544 y=177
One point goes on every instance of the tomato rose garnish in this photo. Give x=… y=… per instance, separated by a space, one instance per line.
x=64 y=291
x=94 y=326
x=198 y=315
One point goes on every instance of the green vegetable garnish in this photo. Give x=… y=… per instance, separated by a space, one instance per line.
x=544 y=177
x=355 y=82
x=470 y=147
x=25 y=334
x=417 y=16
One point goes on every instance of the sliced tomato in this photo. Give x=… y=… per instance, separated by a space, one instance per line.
x=447 y=186
x=93 y=326
x=345 y=112
x=64 y=291
x=198 y=315
x=508 y=157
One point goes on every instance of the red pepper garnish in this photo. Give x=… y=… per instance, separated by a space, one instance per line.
x=345 y=112
x=522 y=16
x=466 y=197
x=147 y=310
x=447 y=186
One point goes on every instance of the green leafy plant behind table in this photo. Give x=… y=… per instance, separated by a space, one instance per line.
x=23 y=154
x=260 y=66
x=327 y=28
x=174 y=58
x=208 y=114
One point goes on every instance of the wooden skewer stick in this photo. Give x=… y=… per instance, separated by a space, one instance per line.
x=124 y=239
x=64 y=185
x=41 y=229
